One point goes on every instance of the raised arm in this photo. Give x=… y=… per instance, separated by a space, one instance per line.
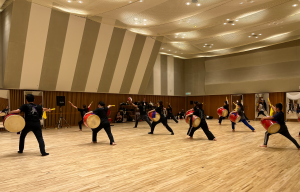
x=14 y=111
x=46 y=109
x=133 y=104
x=109 y=106
x=90 y=105
x=73 y=105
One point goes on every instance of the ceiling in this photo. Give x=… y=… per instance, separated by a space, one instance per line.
x=197 y=29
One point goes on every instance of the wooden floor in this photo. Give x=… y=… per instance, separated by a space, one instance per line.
x=159 y=162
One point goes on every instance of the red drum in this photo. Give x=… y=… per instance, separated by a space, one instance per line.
x=270 y=125
x=91 y=120
x=129 y=99
x=195 y=121
x=234 y=117
x=187 y=119
x=14 y=123
x=156 y=118
x=222 y=112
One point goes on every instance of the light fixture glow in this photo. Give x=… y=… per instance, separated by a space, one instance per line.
x=249 y=36
x=69 y=1
x=198 y=4
x=227 y=19
x=135 y=19
x=80 y=1
x=188 y=3
x=145 y=19
x=295 y=5
x=232 y=24
x=236 y=20
x=225 y=23
x=145 y=24
x=259 y=34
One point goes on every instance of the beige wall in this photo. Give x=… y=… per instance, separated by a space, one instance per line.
x=194 y=74
x=272 y=69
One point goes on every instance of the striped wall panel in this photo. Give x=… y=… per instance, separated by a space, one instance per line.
x=56 y=51
x=167 y=77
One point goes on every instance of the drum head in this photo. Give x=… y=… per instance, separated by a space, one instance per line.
x=157 y=117
x=14 y=123
x=238 y=119
x=274 y=128
x=224 y=113
x=2 y=114
x=93 y=121
x=196 y=122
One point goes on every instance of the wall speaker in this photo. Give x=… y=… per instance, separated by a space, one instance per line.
x=60 y=101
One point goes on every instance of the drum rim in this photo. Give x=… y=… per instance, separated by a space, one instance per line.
x=92 y=114
x=154 y=119
x=195 y=121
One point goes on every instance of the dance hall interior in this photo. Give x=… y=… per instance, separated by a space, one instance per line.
x=149 y=95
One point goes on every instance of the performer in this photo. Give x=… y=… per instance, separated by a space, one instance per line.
x=241 y=113
x=162 y=119
x=102 y=113
x=143 y=113
x=279 y=117
x=170 y=113
x=82 y=113
x=226 y=106
x=260 y=109
x=5 y=111
x=200 y=113
x=181 y=115
x=33 y=114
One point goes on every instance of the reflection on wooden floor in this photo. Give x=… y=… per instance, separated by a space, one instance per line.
x=159 y=162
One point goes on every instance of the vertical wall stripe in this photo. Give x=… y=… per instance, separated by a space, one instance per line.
x=149 y=69
x=103 y=41
x=111 y=59
x=170 y=75
x=179 y=87
x=157 y=76
x=85 y=56
x=142 y=65
x=122 y=62
x=164 y=77
x=54 y=49
x=35 y=46
x=150 y=86
x=70 y=53
x=133 y=63
x=16 y=44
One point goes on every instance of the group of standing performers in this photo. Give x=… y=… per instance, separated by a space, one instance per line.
x=33 y=114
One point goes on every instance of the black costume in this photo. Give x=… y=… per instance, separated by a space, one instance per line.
x=143 y=115
x=227 y=108
x=203 y=125
x=162 y=120
x=82 y=113
x=102 y=113
x=170 y=114
x=279 y=117
x=33 y=114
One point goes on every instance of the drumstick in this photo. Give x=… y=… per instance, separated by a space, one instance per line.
x=53 y=109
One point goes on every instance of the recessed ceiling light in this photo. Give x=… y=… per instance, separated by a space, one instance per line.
x=80 y=1
x=175 y=36
x=212 y=44
x=145 y=24
x=135 y=19
x=232 y=24
x=69 y=1
x=141 y=0
x=198 y=4
x=203 y=46
x=259 y=34
x=227 y=19
x=135 y=23
x=241 y=3
x=295 y=5
x=249 y=36
x=162 y=48
x=236 y=20
x=184 y=34
x=130 y=1
x=169 y=50
x=145 y=19
x=225 y=23
x=253 y=33
x=256 y=37
x=183 y=37
x=188 y=3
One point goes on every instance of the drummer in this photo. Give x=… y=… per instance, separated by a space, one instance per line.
x=226 y=106
x=143 y=113
x=242 y=115
x=5 y=111
x=170 y=113
x=102 y=113
x=200 y=113
x=33 y=114
x=279 y=117
x=162 y=119
x=82 y=113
